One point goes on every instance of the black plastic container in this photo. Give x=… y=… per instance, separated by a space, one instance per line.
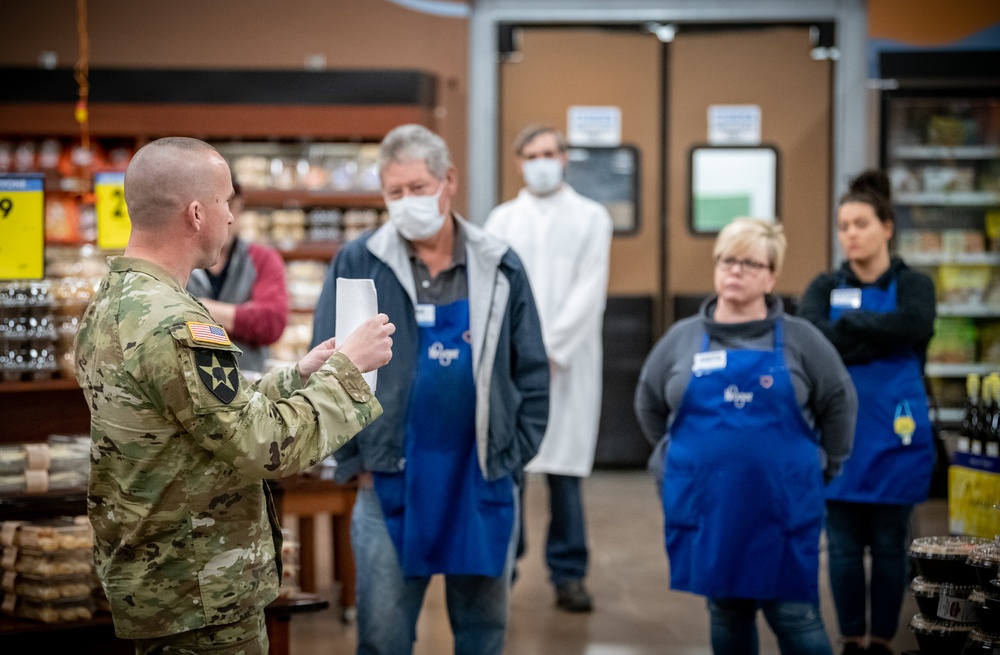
x=989 y=613
x=981 y=643
x=985 y=560
x=943 y=559
x=939 y=637
x=943 y=601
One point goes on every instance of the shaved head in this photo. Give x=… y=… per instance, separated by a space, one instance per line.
x=165 y=176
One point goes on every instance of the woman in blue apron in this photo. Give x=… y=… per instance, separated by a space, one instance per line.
x=880 y=316
x=759 y=412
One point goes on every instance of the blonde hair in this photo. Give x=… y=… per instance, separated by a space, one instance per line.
x=742 y=234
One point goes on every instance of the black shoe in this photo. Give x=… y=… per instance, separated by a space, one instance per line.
x=878 y=648
x=572 y=596
x=853 y=648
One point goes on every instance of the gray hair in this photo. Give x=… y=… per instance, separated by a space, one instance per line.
x=744 y=233
x=414 y=143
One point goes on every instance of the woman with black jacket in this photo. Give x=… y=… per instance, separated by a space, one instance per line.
x=879 y=314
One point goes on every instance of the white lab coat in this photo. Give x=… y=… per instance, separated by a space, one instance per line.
x=564 y=241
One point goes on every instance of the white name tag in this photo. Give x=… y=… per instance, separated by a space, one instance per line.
x=426 y=315
x=846 y=298
x=714 y=360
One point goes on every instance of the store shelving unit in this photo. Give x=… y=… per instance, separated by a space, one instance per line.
x=132 y=107
x=942 y=153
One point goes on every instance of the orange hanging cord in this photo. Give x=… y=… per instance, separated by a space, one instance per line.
x=80 y=73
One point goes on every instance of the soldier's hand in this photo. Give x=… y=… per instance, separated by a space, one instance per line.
x=370 y=346
x=316 y=357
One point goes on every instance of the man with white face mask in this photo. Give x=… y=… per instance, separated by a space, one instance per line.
x=465 y=405
x=564 y=240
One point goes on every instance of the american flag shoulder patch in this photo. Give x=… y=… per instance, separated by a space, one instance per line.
x=208 y=333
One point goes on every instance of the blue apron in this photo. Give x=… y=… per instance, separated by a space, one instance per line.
x=893 y=456
x=743 y=484
x=442 y=515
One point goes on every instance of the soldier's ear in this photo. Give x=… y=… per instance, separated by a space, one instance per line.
x=194 y=216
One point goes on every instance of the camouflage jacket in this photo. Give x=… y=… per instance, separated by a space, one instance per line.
x=180 y=444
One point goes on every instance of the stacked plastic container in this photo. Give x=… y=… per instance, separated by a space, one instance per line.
x=289 y=565
x=48 y=570
x=959 y=605
x=27 y=331
x=60 y=464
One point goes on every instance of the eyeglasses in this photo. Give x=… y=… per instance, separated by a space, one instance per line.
x=745 y=265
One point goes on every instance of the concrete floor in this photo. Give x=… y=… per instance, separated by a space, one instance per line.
x=635 y=612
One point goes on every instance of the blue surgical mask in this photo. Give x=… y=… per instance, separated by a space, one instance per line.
x=543 y=175
x=416 y=217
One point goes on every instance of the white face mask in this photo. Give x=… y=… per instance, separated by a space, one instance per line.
x=542 y=175
x=416 y=217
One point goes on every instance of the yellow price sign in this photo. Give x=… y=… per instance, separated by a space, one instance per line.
x=22 y=227
x=113 y=225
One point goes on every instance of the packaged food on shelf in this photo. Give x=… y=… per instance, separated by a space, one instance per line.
x=939 y=637
x=963 y=284
x=289 y=586
x=304 y=279
x=48 y=564
x=48 y=535
x=945 y=130
x=942 y=558
x=60 y=453
x=958 y=242
x=954 y=341
x=919 y=242
x=64 y=610
x=294 y=341
x=40 y=482
x=51 y=588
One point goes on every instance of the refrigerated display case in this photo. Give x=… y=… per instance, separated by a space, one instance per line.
x=941 y=149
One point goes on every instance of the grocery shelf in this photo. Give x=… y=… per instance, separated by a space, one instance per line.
x=295 y=198
x=946 y=152
x=940 y=370
x=965 y=258
x=948 y=414
x=974 y=310
x=950 y=198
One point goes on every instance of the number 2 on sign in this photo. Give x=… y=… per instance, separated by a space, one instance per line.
x=113 y=225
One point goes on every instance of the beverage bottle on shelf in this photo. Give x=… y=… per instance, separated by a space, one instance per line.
x=977 y=438
x=970 y=419
x=991 y=446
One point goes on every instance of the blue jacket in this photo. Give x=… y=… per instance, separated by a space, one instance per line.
x=510 y=366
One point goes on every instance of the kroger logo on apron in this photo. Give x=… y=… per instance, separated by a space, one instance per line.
x=739 y=399
x=444 y=356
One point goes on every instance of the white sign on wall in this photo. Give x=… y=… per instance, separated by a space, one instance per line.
x=594 y=126
x=734 y=124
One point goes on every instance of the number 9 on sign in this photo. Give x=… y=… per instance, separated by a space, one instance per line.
x=113 y=225
x=22 y=227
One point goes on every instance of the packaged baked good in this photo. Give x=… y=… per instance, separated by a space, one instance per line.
x=51 y=588
x=47 y=564
x=939 y=637
x=64 y=610
x=942 y=558
x=47 y=535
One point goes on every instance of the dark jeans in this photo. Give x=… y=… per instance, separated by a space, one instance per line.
x=566 y=545
x=798 y=626
x=884 y=530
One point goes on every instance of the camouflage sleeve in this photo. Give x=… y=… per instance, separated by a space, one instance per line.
x=279 y=383
x=260 y=437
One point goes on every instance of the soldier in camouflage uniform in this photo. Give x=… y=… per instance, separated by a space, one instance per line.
x=185 y=531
